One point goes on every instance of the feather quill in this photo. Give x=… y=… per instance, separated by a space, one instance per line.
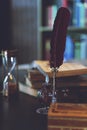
x=58 y=38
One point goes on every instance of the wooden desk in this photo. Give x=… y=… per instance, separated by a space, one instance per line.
x=21 y=114
x=67 y=116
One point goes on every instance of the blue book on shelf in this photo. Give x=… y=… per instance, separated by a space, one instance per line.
x=83 y=52
x=78 y=14
x=77 y=50
x=69 y=49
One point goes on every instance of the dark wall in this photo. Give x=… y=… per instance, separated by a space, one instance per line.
x=5 y=24
x=19 y=25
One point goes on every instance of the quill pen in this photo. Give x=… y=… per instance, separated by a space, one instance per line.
x=58 y=38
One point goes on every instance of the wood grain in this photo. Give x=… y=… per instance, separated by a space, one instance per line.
x=66 y=69
x=67 y=116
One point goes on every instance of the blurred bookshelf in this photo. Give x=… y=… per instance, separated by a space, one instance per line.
x=30 y=26
x=81 y=30
x=76 y=32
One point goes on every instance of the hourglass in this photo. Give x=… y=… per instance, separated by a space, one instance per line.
x=10 y=83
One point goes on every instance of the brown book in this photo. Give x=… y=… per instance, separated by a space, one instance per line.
x=67 y=116
x=28 y=90
x=36 y=79
x=35 y=75
x=66 y=69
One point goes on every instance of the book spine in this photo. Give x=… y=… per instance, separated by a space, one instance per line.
x=79 y=14
x=59 y=3
x=65 y=3
x=82 y=15
x=51 y=14
x=69 y=49
x=77 y=50
x=83 y=51
x=47 y=49
x=85 y=6
x=71 y=8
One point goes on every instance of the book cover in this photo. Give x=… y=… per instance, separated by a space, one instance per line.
x=83 y=45
x=77 y=50
x=85 y=6
x=66 y=69
x=69 y=81
x=47 y=49
x=69 y=49
x=64 y=3
x=78 y=14
x=51 y=14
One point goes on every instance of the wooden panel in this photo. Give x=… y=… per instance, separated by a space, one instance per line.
x=67 y=116
x=25 y=24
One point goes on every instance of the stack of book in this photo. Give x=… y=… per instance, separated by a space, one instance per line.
x=71 y=81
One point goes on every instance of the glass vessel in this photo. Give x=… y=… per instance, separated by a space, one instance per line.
x=10 y=83
x=47 y=94
x=45 y=97
x=54 y=72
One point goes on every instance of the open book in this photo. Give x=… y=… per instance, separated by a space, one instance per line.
x=66 y=69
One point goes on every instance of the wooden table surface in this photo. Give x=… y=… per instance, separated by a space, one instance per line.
x=21 y=114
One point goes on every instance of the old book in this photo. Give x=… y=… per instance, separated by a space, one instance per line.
x=35 y=75
x=67 y=116
x=66 y=69
x=36 y=78
x=27 y=90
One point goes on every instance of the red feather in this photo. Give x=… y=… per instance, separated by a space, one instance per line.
x=58 y=38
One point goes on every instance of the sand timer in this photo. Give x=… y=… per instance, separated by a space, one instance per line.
x=10 y=83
